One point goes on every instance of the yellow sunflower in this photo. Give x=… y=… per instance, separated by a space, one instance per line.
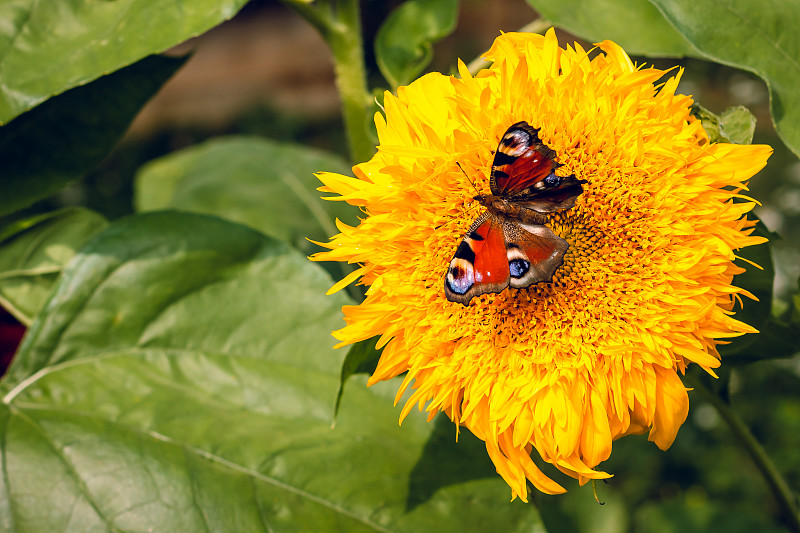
x=568 y=366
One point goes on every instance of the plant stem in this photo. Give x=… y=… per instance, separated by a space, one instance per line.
x=776 y=483
x=339 y=23
x=347 y=47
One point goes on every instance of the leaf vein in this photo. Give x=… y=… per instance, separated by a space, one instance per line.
x=194 y=486
x=82 y=487
x=230 y=465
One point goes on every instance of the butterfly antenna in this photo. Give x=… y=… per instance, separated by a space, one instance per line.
x=477 y=192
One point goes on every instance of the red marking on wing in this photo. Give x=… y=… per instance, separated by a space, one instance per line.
x=526 y=170
x=491 y=263
x=540 y=248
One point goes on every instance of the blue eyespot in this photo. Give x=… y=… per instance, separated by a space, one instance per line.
x=552 y=180
x=458 y=281
x=518 y=267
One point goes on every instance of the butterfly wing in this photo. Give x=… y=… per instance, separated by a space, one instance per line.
x=480 y=264
x=556 y=198
x=534 y=253
x=498 y=252
x=521 y=161
x=524 y=171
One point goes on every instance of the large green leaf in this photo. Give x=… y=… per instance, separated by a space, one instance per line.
x=181 y=379
x=403 y=45
x=636 y=25
x=33 y=252
x=752 y=35
x=266 y=185
x=60 y=140
x=49 y=46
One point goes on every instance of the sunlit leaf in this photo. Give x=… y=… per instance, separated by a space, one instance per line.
x=49 y=46
x=710 y=122
x=754 y=36
x=636 y=25
x=739 y=124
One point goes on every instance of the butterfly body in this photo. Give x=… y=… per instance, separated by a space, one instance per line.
x=509 y=243
x=501 y=207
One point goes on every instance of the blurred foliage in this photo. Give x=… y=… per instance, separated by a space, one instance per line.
x=403 y=45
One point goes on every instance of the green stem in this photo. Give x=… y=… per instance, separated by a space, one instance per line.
x=339 y=22
x=348 y=56
x=777 y=485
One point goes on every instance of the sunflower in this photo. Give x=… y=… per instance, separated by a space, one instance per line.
x=563 y=367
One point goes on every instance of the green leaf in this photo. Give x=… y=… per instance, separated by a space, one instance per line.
x=757 y=281
x=60 y=140
x=436 y=468
x=180 y=379
x=49 y=46
x=266 y=185
x=778 y=337
x=636 y=25
x=362 y=358
x=710 y=122
x=749 y=35
x=735 y=125
x=403 y=45
x=132 y=284
x=33 y=253
x=739 y=124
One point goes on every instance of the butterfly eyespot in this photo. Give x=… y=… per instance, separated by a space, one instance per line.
x=518 y=267
x=457 y=280
x=552 y=180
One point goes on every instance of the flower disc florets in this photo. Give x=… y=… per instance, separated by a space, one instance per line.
x=645 y=288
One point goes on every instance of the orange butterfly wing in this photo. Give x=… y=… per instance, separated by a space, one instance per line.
x=479 y=264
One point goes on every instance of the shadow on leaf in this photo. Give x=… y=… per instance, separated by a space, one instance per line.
x=446 y=462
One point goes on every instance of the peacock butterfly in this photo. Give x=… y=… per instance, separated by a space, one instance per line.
x=509 y=244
